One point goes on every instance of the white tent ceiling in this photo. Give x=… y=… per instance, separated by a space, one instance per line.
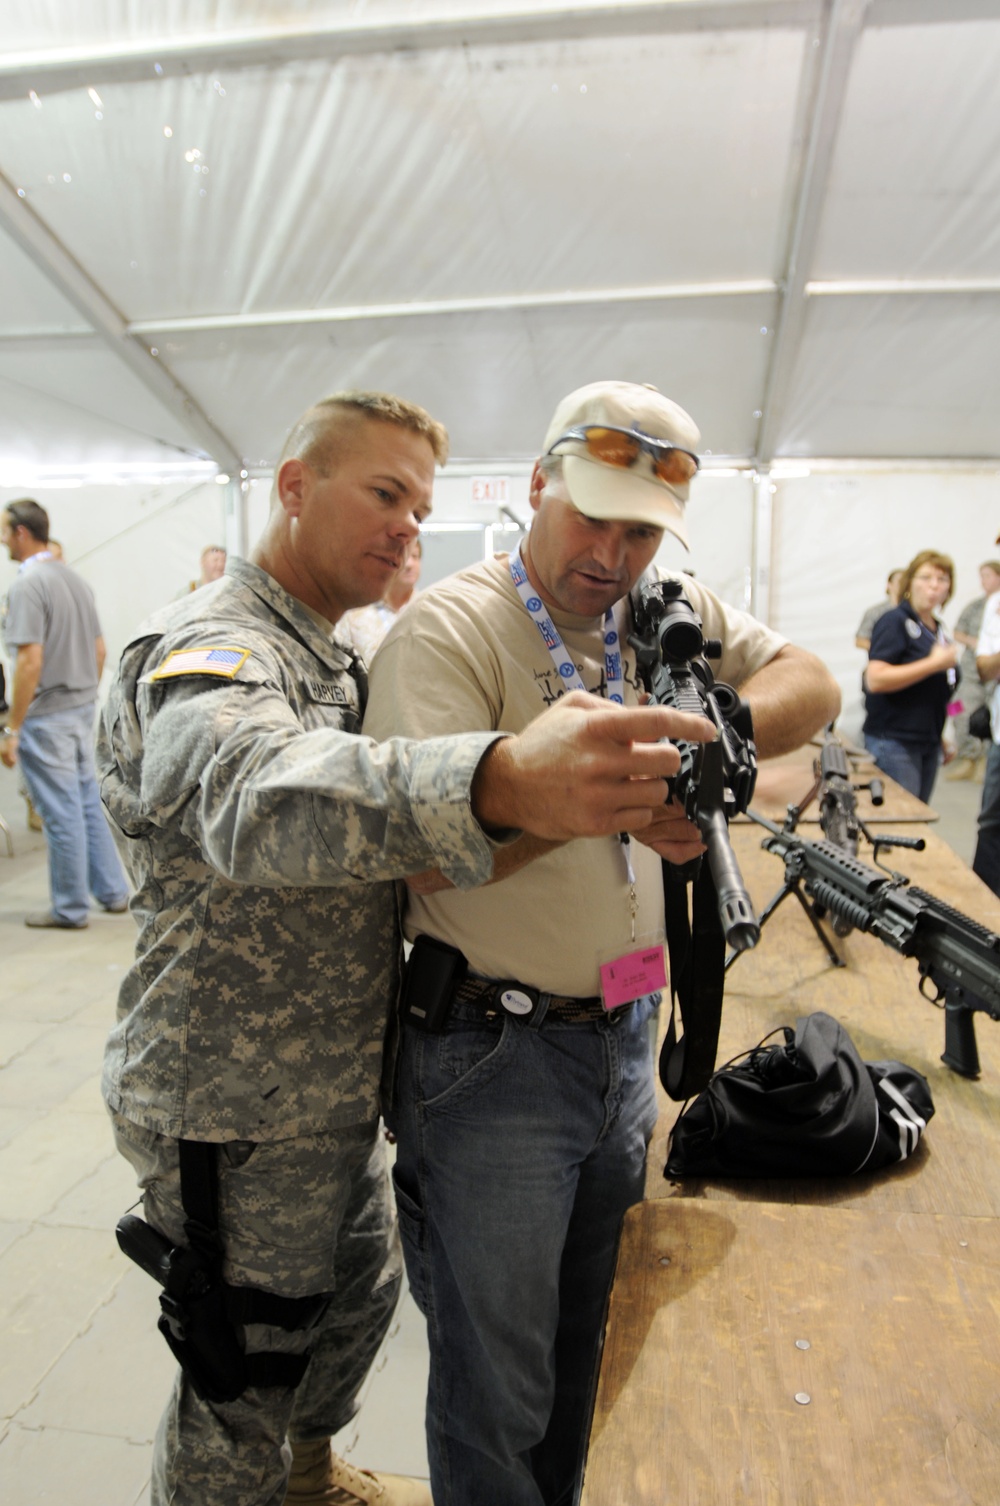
x=782 y=212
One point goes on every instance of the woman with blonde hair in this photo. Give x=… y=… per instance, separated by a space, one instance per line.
x=911 y=677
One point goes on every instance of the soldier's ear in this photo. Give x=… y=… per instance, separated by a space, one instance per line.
x=292 y=481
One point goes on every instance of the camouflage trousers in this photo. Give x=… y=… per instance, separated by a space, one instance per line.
x=297 y=1217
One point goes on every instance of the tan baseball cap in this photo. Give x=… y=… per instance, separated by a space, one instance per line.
x=635 y=494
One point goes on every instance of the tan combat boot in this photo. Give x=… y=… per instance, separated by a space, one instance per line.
x=321 y=1478
x=962 y=768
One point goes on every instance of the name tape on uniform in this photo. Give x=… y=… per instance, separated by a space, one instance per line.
x=325 y=694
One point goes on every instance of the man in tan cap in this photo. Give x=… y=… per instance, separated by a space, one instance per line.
x=525 y=1092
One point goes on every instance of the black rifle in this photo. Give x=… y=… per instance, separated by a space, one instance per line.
x=956 y=955
x=835 y=788
x=714 y=782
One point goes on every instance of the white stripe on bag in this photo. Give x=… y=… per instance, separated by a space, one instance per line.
x=891 y=1091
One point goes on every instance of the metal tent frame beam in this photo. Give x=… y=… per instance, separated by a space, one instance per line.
x=844 y=24
x=53 y=70
x=79 y=67
x=34 y=237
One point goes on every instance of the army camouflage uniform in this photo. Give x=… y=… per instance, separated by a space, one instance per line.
x=260 y=835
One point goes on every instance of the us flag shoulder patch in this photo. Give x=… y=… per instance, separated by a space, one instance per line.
x=222 y=661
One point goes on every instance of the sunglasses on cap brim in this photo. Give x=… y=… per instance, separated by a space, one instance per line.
x=622 y=448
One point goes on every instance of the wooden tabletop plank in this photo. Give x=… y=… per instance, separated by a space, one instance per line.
x=697 y=1401
x=890 y=1279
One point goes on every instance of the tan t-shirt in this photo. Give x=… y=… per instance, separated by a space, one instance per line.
x=467 y=657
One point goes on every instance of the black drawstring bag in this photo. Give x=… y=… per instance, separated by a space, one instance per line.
x=979 y=723
x=809 y=1107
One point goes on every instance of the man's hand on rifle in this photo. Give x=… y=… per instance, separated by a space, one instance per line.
x=672 y=836
x=584 y=768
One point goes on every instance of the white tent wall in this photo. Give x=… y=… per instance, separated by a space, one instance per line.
x=467 y=524
x=836 y=537
x=136 y=546
x=833 y=540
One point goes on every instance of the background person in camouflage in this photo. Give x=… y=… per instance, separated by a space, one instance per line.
x=863 y=636
x=260 y=834
x=970 y=752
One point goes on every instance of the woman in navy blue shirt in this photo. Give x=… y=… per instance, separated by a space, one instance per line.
x=911 y=677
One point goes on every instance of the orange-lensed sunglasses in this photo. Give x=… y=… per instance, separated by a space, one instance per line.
x=622 y=448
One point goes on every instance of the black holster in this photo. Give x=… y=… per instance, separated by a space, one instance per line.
x=202 y=1317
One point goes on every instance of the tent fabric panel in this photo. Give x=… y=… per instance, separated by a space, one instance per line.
x=837 y=537
x=28 y=300
x=720 y=519
x=137 y=546
x=72 y=401
x=900 y=377
x=493 y=378
x=916 y=176
x=445 y=174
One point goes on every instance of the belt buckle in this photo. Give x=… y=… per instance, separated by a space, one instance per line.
x=516 y=999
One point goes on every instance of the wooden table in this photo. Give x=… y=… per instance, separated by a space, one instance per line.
x=892 y=1280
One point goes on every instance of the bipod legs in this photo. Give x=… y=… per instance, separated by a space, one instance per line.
x=787 y=888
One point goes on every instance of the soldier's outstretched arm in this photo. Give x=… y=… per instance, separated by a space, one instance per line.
x=585 y=768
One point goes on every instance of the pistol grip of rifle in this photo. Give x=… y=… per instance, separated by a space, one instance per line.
x=961 y=1052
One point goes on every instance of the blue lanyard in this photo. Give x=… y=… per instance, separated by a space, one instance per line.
x=567 y=670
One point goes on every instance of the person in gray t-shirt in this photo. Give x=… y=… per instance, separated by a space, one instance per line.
x=863 y=636
x=54 y=638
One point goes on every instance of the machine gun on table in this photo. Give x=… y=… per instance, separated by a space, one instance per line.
x=835 y=790
x=956 y=955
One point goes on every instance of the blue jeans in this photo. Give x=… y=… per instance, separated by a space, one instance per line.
x=56 y=754
x=913 y=765
x=520 y=1146
x=987 y=859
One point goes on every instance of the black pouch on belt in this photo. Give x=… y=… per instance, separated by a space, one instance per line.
x=432 y=974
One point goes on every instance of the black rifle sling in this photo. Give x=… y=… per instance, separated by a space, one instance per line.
x=697 y=952
x=244 y=1304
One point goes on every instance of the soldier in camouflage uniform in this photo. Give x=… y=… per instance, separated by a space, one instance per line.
x=260 y=834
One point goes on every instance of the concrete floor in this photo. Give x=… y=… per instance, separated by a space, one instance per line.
x=83 y=1373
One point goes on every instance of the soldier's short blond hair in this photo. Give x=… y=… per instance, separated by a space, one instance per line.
x=314 y=437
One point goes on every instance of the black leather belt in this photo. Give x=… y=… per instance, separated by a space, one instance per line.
x=505 y=996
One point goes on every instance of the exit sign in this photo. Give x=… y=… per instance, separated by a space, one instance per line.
x=491 y=489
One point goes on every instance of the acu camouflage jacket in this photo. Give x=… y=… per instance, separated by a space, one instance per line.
x=260 y=833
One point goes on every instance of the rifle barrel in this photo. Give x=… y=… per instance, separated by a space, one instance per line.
x=739 y=923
